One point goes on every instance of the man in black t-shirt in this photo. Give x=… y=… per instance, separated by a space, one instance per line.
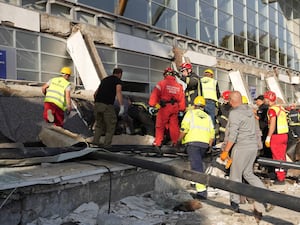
x=104 y=111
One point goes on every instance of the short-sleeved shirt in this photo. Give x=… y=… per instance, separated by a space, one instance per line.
x=106 y=92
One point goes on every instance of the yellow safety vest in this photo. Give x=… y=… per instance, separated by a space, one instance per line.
x=198 y=127
x=56 y=92
x=281 y=120
x=209 y=88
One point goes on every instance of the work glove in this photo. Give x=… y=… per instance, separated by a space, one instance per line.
x=228 y=163
x=152 y=110
x=224 y=155
x=122 y=110
x=268 y=141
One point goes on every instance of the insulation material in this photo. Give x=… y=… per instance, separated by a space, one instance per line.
x=82 y=59
x=239 y=84
x=274 y=86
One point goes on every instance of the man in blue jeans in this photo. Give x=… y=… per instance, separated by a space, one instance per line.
x=197 y=133
x=211 y=93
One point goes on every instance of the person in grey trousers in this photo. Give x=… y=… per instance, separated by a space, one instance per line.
x=243 y=143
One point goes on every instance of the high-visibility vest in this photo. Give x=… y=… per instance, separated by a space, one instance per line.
x=198 y=127
x=209 y=87
x=56 y=92
x=281 y=120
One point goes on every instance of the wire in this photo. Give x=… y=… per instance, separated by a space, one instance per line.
x=6 y=199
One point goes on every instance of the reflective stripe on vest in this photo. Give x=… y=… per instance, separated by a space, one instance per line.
x=281 y=120
x=199 y=129
x=56 y=92
x=209 y=88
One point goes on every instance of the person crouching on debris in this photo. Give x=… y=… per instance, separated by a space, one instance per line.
x=168 y=98
x=104 y=111
x=197 y=133
x=243 y=143
x=57 y=100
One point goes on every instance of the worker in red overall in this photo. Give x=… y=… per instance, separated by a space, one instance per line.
x=277 y=137
x=168 y=98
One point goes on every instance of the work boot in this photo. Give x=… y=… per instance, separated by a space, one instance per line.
x=50 y=116
x=158 y=151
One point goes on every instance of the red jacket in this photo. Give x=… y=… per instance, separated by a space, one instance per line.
x=166 y=90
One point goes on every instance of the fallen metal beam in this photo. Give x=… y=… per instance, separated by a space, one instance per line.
x=259 y=194
x=278 y=163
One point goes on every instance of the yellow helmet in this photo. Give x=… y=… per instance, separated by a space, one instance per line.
x=209 y=71
x=66 y=70
x=244 y=100
x=199 y=100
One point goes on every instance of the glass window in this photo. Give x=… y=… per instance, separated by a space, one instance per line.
x=163 y=18
x=272 y=14
x=155 y=76
x=263 y=53
x=54 y=46
x=27 y=75
x=34 y=5
x=262 y=8
x=238 y=10
x=251 y=5
x=251 y=17
x=207 y=33
x=207 y=13
x=128 y=58
x=27 y=60
x=135 y=74
x=251 y=32
x=290 y=61
x=225 y=39
x=273 y=41
x=99 y=4
x=263 y=23
x=273 y=56
x=135 y=87
x=225 y=21
x=252 y=48
x=85 y=17
x=239 y=27
x=273 y=29
x=187 y=26
x=223 y=80
x=169 y=4
x=239 y=44
x=263 y=38
x=53 y=63
x=135 y=9
x=187 y=8
x=26 y=40
x=225 y=5
x=6 y=37
x=282 y=59
x=61 y=10
x=106 y=55
x=159 y=64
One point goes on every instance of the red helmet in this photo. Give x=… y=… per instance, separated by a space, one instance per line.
x=270 y=95
x=225 y=95
x=168 y=71
x=186 y=66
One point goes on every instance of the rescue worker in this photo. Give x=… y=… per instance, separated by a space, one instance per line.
x=104 y=111
x=277 y=137
x=211 y=93
x=223 y=114
x=168 y=98
x=143 y=122
x=294 y=120
x=193 y=84
x=242 y=142
x=57 y=100
x=197 y=133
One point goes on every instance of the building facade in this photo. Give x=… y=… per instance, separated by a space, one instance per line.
x=258 y=38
